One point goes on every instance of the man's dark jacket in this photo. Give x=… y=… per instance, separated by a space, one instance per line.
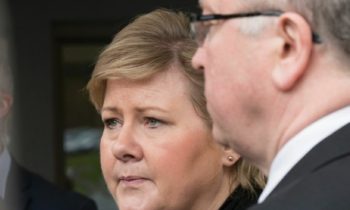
x=319 y=181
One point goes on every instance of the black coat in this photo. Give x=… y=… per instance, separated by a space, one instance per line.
x=28 y=191
x=319 y=181
x=240 y=199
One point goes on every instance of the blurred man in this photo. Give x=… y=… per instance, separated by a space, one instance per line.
x=278 y=87
x=19 y=188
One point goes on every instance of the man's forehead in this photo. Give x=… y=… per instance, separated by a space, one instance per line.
x=201 y=2
x=219 y=5
x=207 y=4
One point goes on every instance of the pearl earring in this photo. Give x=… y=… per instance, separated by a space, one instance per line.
x=230 y=158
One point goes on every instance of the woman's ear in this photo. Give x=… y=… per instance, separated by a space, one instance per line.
x=295 y=51
x=230 y=157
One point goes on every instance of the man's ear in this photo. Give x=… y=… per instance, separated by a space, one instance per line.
x=295 y=51
x=5 y=104
x=230 y=157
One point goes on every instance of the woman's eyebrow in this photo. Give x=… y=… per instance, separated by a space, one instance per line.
x=147 y=108
x=110 y=109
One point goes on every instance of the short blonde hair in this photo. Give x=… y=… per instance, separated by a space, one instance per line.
x=150 y=44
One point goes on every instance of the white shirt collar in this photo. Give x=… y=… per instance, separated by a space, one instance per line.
x=5 y=162
x=297 y=147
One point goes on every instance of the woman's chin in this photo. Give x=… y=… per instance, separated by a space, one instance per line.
x=137 y=201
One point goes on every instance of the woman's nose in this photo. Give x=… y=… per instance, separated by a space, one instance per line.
x=126 y=148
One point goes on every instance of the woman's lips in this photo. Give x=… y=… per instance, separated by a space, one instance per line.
x=132 y=181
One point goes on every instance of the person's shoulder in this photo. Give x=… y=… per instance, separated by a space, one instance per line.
x=46 y=195
x=326 y=187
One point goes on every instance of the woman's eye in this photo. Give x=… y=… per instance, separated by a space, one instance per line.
x=112 y=123
x=151 y=122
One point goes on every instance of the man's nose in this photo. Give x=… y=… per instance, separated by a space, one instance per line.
x=198 y=60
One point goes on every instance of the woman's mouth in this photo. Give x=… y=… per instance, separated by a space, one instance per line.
x=132 y=181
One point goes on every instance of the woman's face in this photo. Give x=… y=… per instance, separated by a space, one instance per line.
x=156 y=152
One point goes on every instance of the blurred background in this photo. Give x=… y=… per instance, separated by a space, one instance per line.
x=56 y=130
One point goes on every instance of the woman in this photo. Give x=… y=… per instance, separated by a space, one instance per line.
x=157 y=151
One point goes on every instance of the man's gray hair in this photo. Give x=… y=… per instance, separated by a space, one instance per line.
x=330 y=19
